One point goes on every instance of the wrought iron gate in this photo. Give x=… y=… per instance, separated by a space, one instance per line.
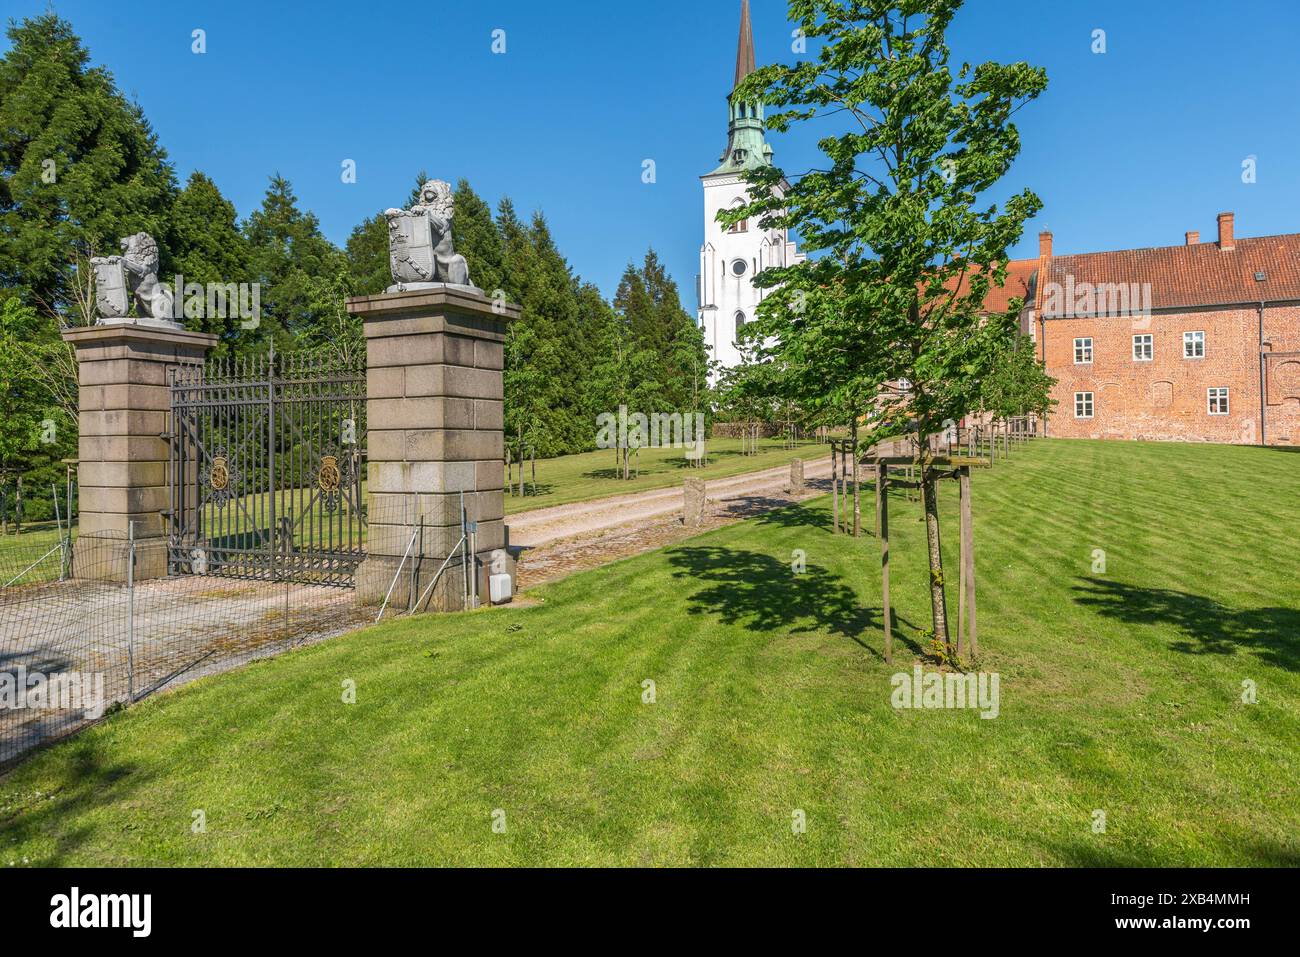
x=267 y=465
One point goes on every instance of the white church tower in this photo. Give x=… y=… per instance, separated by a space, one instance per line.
x=731 y=257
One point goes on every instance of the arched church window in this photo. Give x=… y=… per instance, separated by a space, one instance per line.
x=740 y=320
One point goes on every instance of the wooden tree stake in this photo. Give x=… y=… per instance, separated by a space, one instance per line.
x=835 y=491
x=968 y=564
x=882 y=473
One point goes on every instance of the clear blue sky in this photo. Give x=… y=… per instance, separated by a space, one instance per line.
x=1127 y=149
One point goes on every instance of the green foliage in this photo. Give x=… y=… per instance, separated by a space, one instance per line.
x=81 y=164
x=287 y=253
x=367 y=252
x=208 y=247
x=1018 y=385
x=908 y=240
x=665 y=343
x=36 y=433
x=477 y=238
x=569 y=357
x=897 y=218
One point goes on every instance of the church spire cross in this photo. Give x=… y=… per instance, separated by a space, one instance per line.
x=745 y=47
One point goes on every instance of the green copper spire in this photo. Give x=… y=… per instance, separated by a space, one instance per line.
x=746 y=146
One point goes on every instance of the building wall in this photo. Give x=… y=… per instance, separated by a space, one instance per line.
x=1166 y=398
x=722 y=293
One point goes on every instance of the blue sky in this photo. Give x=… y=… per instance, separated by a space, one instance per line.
x=1127 y=149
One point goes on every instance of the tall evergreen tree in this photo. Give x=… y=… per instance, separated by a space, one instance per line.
x=478 y=239
x=208 y=247
x=656 y=321
x=367 y=252
x=287 y=252
x=79 y=164
x=37 y=429
x=553 y=301
x=526 y=358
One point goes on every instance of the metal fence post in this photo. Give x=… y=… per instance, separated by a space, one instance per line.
x=130 y=611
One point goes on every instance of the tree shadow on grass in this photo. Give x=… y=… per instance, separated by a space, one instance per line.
x=796 y=515
x=1210 y=628
x=762 y=593
x=91 y=780
x=533 y=491
x=1099 y=851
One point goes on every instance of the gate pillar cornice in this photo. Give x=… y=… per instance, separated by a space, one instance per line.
x=124 y=401
x=434 y=409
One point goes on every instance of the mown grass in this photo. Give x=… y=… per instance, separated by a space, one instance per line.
x=592 y=475
x=1120 y=692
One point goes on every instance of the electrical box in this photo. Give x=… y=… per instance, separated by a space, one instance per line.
x=500 y=589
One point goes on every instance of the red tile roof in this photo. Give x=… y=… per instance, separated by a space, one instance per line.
x=998 y=298
x=1197 y=275
x=1019 y=272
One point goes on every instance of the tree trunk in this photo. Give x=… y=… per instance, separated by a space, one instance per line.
x=930 y=494
x=857 y=505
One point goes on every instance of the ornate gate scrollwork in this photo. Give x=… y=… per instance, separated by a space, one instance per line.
x=266 y=468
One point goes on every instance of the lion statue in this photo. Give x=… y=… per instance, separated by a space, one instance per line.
x=138 y=274
x=419 y=240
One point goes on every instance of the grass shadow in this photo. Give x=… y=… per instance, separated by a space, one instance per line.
x=532 y=491
x=89 y=779
x=762 y=593
x=1210 y=628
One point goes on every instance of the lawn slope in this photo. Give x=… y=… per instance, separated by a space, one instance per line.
x=1121 y=692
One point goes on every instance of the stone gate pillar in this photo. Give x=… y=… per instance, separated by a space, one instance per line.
x=124 y=405
x=434 y=412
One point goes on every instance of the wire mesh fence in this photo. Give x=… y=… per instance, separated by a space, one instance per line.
x=423 y=552
x=80 y=636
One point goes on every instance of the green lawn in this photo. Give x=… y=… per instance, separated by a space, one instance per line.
x=31 y=545
x=1120 y=692
x=591 y=475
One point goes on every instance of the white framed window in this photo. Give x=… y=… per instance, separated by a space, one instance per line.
x=739 y=267
x=1217 y=401
x=1083 y=351
x=1193 y=345
x=1083 y=405
x=1142 y=351
x=740 y=320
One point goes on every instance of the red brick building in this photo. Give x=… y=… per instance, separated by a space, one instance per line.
x=1198 y=342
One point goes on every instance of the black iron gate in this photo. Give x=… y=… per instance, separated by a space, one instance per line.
x=267 y=465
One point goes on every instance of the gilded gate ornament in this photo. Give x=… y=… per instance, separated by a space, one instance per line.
x=330 y=476
x=220 y=477
x=220 y=474
x=329 y=479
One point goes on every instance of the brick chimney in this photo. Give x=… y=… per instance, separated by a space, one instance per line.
x=1225 y=232
x=1044 y=244
x=1193 y=237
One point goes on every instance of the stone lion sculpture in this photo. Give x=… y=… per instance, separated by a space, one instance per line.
x=420 y=249
x=132 y=274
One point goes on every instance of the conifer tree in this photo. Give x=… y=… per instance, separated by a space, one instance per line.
x=81 y=164
x=208 y=247
x=37 y=430
x=369 y=270
x=287 y=252
x=478 y=239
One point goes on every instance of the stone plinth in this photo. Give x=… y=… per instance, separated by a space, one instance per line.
x=693 y=502
x=796 y=477
x=435 y=438
x=125 y=402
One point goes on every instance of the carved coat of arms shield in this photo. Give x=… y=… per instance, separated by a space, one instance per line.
x=111 y=296
x=411 y=247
